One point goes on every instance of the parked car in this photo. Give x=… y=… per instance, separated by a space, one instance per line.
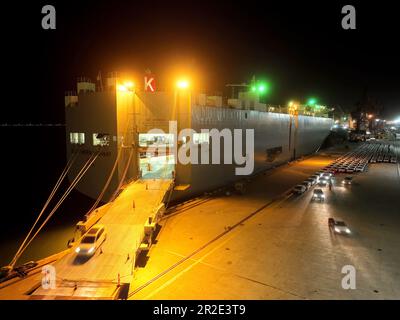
x=319 y=173
x=312 y=180
x=316 y=177
x=299 y=189
x=326 y=175
x=306 y=184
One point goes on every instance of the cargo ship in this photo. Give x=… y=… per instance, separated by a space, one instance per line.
x=134 y=149
x=128 y=127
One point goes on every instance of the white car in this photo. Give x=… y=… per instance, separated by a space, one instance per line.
x=312 y=180
x=339 y=226
x=316 y=177
x=326 y=175
x=299 y=189
x=319 y=173
x=306 y=184
x=322 y=182
x=91 y=241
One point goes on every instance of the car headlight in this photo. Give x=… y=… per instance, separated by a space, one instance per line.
x=77 y=250
x=323 y=196
x=337 y=229
x=348 y=230
x=91 y=250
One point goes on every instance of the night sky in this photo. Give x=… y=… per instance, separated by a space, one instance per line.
x=300 y=48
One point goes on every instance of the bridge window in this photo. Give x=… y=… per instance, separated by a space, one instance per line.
x=156 y=139
x=101 y=139
x=74 y=137
x=77 y=138
x=81 y=138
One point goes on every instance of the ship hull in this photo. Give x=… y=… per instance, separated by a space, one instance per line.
x=278 y=138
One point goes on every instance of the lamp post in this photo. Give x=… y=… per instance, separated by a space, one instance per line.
x=182 y=114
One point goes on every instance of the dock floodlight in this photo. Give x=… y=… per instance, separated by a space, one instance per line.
x=129 y=84
x=182 y=84
x=122 y=88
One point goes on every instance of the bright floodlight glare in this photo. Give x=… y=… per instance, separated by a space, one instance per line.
x=182 y=84
x=129 y=84
x=122 y=88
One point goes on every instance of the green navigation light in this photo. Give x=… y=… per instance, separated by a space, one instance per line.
x=263 y=87
x=312 y=101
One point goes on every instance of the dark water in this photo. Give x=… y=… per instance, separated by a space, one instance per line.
x=31 y=162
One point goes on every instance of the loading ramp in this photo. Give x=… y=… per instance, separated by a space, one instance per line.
x=128 y=221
